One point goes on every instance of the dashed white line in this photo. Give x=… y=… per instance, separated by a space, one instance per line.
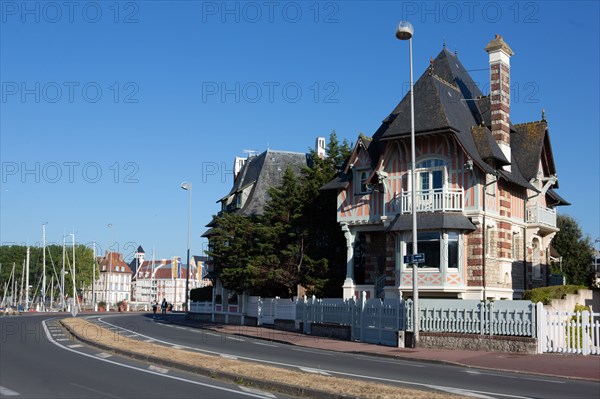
x=103 y=355
x=75 y=346
x=314 y=371
x=229 y=356
x=158 y=369
x=8 y=392
x=263 y=344
x=236 y=339
x=257 y=391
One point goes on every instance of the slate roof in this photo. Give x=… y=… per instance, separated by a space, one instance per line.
x=262 y=172
x=447 y=101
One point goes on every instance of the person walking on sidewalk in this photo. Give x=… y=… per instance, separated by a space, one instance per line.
x=163 y=307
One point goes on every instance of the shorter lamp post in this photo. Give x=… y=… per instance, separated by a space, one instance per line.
x=188 y=187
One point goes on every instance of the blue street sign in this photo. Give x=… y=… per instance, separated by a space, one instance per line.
x=414 y=258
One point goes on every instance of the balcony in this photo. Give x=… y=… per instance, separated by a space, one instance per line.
x=539 y=215
x=437 y=200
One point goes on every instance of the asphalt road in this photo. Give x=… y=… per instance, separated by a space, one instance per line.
x=38 y=359
x=449 y=378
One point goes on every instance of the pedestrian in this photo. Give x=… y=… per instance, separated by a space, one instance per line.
x=163 y=307
x=154 y=306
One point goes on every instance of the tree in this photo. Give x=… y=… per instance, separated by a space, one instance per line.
x=17 y=253
x=576 y=251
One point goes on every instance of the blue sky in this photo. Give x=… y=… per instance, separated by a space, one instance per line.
x=107 y=107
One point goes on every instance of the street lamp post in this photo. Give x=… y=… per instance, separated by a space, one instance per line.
x=188 y=187
x=405 y=32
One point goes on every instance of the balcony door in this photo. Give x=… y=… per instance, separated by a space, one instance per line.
x=431 y=175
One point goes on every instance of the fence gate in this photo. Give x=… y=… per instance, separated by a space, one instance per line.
x=569 y=332
x=266 y=311
x=378 y=322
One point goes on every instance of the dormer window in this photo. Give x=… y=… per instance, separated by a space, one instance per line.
x=361 y=178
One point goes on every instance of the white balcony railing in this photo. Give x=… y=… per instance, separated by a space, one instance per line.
x=437 y=200
x=539 y=215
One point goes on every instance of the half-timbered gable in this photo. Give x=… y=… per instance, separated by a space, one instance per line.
x=484 y=191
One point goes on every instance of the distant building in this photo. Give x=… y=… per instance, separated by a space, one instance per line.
x=114 y=283
x=165 y=278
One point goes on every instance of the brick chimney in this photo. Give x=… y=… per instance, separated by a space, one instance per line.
x=500 y=54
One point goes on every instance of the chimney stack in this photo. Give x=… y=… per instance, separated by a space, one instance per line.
x=320 y=147
x=500 y=53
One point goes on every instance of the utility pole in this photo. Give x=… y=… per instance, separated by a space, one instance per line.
x=27 y=282
x=62 y=278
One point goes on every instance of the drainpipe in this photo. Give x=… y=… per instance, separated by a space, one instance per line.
x=525 y=240
x=484 y=230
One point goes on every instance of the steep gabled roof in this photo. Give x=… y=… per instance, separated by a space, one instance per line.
x=263 y=172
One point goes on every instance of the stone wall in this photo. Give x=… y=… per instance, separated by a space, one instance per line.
x=331 y=331
x=473 y=342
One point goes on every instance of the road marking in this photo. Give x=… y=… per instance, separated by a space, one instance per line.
x=148 y=371
x=236 y=339
x=397 y=362
x=103 y=355
x=131 y=335
x=314 y=371
x=213 y=334
x=149 y=340
x=229 y=356
x=93 y=390
x=474 y=372
x=158 y=369
x=8 y=392
x=62 y=339
x=75 y=346
x=312 y=351
x=464 y=392
x=176 y=347
x=257 y=391
x=351 y=375
x=263 y=344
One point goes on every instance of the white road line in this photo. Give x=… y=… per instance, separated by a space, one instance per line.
x=131 y=335
x=103 y=355
x=176 y=347
x=236 y=339
x=149 y=340
x=391 y=361
x=75 y=346
x=314 y=371
x=229 y=357
x=474 y=372
x=257 y=391
x=147 y=371
x=8 y=392
x=312 y=351
x=62 y=339
x=213 y=334
x=351 y=375
x=158 y=369
x=263 y=344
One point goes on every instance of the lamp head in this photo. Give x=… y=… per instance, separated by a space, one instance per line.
x=186 y=186
x=405 y=30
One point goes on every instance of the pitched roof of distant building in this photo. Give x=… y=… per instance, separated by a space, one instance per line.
x=113 y=262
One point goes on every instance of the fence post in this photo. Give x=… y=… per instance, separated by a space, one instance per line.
x=585 y=338
x=363 y=299
x=540 y=319
x=482 y=317
x=490 y=311
x=259 y=312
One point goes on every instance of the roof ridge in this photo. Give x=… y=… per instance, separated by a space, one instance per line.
x=452 y=85
x=531 y=123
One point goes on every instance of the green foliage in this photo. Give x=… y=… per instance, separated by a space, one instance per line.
x=546 y=294
x=16 y=254
x=574 y=333
x=296 y=242
x=203 y=294
x=576 y=251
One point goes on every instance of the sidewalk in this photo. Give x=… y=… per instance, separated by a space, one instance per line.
x=548 y=364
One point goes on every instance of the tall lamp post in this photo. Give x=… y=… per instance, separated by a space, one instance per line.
x=405 y=32
x=188 y=187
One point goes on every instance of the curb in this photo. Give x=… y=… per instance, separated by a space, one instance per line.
x=219 y=375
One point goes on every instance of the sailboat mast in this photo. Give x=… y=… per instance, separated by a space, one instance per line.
x=27 y=282
x=44 y=267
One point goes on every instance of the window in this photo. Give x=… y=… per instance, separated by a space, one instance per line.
x=441 y=249
x=431 y=174
x=536 y=260
x=361 y=178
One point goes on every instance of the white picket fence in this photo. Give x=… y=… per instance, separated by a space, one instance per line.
x=379 y=321
x=568 y=332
